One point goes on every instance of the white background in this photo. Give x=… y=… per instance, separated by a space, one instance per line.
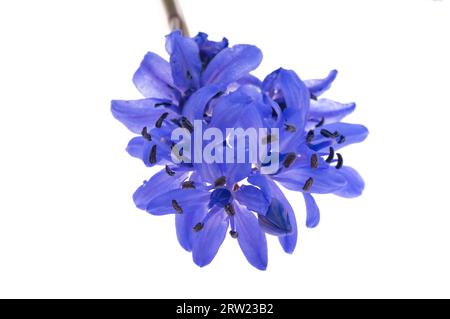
x=68 y=226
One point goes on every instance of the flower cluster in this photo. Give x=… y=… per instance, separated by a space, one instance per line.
x=209 y=82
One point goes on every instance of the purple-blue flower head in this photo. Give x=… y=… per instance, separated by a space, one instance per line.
x=213 y=182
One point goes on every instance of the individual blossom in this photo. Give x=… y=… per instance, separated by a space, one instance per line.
x=208 y=208
x=179 y=90
x=310 y=135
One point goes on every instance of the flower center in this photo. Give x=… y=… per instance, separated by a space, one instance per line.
x=220 y=197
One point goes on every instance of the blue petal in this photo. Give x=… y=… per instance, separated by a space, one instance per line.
x=194 y=107
x=184 y=225
x=250 y=237
x=187 y=199
x=158 y=184
x=271 y=189
x=231 y=64
x=237 y=172
x=153 y=78
x=287 y=86
x=325 y=180
x=318 y=86
x=208 y=241
x=209 y=49
x=276 y=219
x=220 y=197
x=263 y=182
x=136 y=147
x=354 y=186
x=330 y=111
x=354 y=133
x=312 y=211
x=252 y=91
x=208 y=172
x=236 y=110
x=184 y=61
x=290 y=141
x=137 y=114
x=253 y=198
x=249 y=80
x=272 y=113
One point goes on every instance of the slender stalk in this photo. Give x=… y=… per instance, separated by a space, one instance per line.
x=175 y=16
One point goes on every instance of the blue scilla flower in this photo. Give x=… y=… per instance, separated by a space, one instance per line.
x=206 y=208
x=208 y=82
x=310 y=134
x=179 y=91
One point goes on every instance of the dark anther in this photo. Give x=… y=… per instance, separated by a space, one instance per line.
x=152 y=158
x=176 y=206
x=145 y=134
x=234 y=234
x=218 y=94
x=340 y=161
x=310 y=136
x=187 y=184
x=313 y=97
x=162 y=104
x=221 y=181
x=327 y=133
x=322 y=120
x=289 y=159
x=274 y=113
x=314 y=161
x=161 y=119
x=269 y=139
x=290 y=128
x=187 y=125
x=308 y=184
x=176 y=122
x=235 y=187
x=341 y=139
x=169 y=171
x=198 y=227
x=188 y=75
x=174 y=149
x=330 y=156
x=229 y=209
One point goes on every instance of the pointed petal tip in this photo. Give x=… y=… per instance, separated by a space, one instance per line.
x=333 y=73
x=289 y=249
x=312 y=211
x=288 y=243
x=355 y=184
x=201 y=263
x=261 y=267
